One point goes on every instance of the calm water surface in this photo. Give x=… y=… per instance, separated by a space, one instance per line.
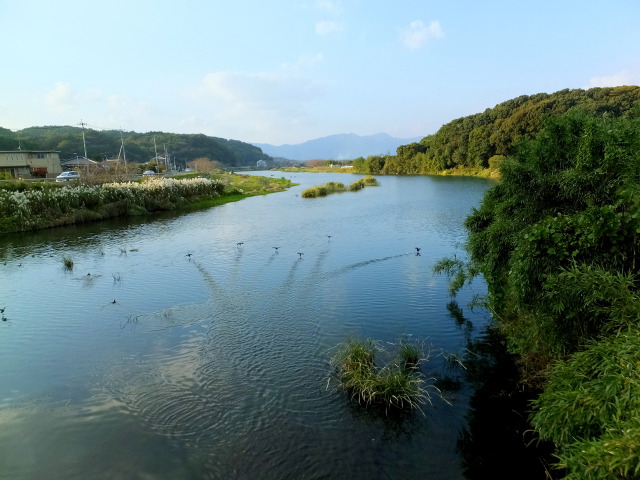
x=144 y=362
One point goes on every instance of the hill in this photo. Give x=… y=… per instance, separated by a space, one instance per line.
x=483 y=139
x=337 y=147
x=139 y=147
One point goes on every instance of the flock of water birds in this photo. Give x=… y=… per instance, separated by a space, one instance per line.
x=300 y=254
x=189 y=255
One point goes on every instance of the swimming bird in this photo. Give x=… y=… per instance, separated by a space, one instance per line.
x=417 y=250
x=240 y=244
x=276 y=249
x=2 y=309
x=300 y=253
x=329 y=237
x=114 y=301
x=188 y=255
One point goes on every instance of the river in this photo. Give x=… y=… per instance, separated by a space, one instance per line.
x=187 y=346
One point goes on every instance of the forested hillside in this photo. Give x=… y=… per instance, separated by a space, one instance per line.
x=139 y=147
x=484 y=139
x=558 y=242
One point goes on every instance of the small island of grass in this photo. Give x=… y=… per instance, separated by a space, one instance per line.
x=338 y=187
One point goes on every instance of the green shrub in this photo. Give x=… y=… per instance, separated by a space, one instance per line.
x=370 y=181
x=590 y=409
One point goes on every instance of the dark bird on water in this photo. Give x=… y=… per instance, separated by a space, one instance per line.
x=329 y=237
x=2 y=309
x=240 y=244
x=300 y=253
x=114 y=301
x=276 y=249
x=188 y=255
x=417 y=250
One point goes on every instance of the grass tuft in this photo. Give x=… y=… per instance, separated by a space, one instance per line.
x=398 y=385
x=67 y=262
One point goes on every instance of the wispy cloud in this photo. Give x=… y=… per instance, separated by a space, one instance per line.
x=60 y=97
x=264 y=103
x=417 y=33
x=303 y=62
x=618 y=79
x=327 y=27
x=334 y=8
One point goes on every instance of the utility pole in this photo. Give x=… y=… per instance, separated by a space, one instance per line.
x=126 y=171
x=82 y=124
x=157 y=162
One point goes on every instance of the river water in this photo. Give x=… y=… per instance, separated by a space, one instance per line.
x=186 y=346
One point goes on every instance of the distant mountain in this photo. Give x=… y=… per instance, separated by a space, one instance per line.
x=345 y=146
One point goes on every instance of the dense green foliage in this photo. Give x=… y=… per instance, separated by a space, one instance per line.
x=483 y=140
x=591 y=406
x=557 y=241
x=558 y=235
x=139 y=147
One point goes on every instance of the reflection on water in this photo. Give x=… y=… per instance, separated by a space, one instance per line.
x=186 y=346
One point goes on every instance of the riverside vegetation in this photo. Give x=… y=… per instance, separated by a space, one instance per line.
x=28 y=206
x=558 y=243
x=394 y=383
x=338 y=187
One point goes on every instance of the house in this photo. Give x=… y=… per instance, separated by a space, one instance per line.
x=30 y=163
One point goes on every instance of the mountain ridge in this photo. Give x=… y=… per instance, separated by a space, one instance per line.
x=342 y=146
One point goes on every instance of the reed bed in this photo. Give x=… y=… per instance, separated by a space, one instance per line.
x=396 y=384
x=24 y=208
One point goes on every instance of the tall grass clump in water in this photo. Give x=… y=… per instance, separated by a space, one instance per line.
x=323 y=190
x=67 y=262
x=397 y=385
x=370 y=181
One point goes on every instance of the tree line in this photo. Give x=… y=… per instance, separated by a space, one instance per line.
x=483 y=140
x=139 y=147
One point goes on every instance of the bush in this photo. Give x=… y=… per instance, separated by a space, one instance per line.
x=589 y=409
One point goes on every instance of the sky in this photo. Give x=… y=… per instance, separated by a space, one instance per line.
x=288 y=71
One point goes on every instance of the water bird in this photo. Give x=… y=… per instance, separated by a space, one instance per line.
x=114 y=301
x=2 y=309
x=329 y=237
x=300 y=253
x=417 y=251
x=240 y=244
x=188 y=255
x=276 y=248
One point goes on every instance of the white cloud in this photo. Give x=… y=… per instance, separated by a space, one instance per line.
x=261 y=105
x=60 y=97
x=326 y=27
x=621 y=78
x=334 y=8
x=304 y=61
x=417 y=33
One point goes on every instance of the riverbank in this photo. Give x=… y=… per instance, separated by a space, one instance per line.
x=458 y=171
x=38 y=205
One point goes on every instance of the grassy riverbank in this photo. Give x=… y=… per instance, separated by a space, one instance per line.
x=26 y=206
x=458 y=171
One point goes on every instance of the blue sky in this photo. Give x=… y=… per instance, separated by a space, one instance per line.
x=287 y=71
